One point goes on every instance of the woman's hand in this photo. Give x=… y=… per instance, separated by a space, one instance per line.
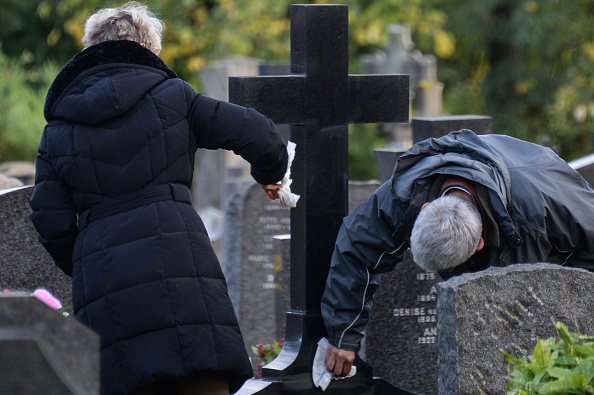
x=271 y=190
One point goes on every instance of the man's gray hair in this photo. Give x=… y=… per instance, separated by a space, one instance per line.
x=133 y=22
x=446 y=233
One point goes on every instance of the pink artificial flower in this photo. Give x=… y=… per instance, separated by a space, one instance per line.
x=48 y=298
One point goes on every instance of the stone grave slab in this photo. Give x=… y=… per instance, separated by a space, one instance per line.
x=385 y=159
x=249 y=254
x=24 y=263
x=45 y=352
x=425 y=127
x=401 y=336
x=509 y=308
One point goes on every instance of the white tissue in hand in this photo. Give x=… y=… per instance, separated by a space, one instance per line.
x=286 y=196
x=320 y=375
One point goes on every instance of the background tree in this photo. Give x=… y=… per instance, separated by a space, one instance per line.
x=526 y=63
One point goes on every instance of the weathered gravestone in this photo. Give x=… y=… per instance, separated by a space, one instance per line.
x=507 y=308
x=253 y=220
x=319 y=99
x=425 y=127
x=401 y=337
x=44 y=352
x=24 y=263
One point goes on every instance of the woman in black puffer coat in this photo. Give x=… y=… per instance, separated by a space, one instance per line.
x=112 y=206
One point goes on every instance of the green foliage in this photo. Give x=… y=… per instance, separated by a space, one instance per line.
x=564 y=367
x=363 y=139
x=22 y=96
x=527 y=64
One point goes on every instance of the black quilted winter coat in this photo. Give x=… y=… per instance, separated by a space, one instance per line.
x=112 y=206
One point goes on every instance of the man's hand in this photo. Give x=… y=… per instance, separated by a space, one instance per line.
x=339 y=361
x=271 y=190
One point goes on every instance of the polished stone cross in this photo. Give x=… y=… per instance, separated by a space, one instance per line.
x=319 y=99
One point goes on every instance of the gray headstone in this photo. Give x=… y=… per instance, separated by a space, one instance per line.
x=44 y=352
x=24 y=263
x=233 y=205
x=359 y=191
x=509 y=308
x=385 y=159
x=257 y=221
x=426 y=127
x=585 y=166
x=401 y=336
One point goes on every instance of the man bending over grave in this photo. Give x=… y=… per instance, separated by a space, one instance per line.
x=462 y=203
x=112 y=206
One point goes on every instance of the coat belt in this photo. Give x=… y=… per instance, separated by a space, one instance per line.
x=129 y=201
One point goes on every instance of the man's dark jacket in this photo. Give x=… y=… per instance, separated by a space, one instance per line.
x=543 y=209
x=144 y=274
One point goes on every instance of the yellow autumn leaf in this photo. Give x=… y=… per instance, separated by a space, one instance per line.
x=445 y=44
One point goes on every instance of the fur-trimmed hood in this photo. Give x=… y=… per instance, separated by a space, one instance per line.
x=104 y=81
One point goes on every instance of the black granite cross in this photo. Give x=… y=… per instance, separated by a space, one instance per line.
x=319 y=99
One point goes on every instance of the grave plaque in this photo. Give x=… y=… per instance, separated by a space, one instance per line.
x=262 y=219
x=24 y=263
x=44 y=352
x=401 y=336
x=509 y=308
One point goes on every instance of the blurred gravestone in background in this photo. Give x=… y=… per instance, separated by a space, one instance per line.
x=401 y=57
x=24 y=263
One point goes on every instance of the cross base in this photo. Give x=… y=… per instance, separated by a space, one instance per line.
x=374 y=386
x=290 y=372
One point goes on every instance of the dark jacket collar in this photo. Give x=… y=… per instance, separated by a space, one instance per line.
x=121 y=51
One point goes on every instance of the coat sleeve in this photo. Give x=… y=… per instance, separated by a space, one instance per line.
x=364 y=248
x=53 y=211
x=218 y=124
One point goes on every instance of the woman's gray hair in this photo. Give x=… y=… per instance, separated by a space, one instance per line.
x=446 y=233
x=133 y=22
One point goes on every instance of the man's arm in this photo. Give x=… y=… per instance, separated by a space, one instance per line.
x=364 y=247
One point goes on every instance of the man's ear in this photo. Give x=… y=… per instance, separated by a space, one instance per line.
x=481 y=244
